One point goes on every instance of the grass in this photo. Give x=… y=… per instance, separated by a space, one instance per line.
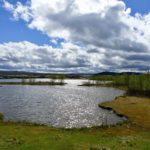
x=136 y=85
x=28 y=137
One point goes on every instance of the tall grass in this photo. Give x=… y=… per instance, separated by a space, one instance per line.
x=136 y=84
x=57 y=79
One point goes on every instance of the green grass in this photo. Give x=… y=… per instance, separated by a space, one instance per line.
x=135 y=84
x=28 y=137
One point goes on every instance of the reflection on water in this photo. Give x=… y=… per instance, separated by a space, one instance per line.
x=60 y=106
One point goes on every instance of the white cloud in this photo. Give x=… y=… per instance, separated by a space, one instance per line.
x=27 y=56
x=19 y=10
x=99 y=35
x=8 y=6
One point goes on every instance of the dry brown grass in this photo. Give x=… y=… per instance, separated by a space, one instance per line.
x=137 y=109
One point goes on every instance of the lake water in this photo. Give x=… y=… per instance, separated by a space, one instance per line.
x=59 y=106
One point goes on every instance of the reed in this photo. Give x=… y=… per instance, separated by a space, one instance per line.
x=136 y=84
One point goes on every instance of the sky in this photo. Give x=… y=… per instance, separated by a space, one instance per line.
x=74 y=36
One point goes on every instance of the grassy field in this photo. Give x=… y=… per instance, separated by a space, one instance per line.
x=28 y=137
x=134 y=135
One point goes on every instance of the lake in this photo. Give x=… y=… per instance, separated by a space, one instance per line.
x=69 y=106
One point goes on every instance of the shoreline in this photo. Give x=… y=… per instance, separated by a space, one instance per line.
x=105 y=85
x=136 y=93
x=135 y=109
x=28 y=123
x=130 y=135
x=112 y=105
x=109 y=108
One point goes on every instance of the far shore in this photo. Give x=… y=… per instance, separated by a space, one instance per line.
x=109 y=85
x=32 y=83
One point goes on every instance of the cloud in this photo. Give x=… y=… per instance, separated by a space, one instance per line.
x=31 y=57
x=19 y=10
x=69 y=58
x=99 y=35
x=8 y=6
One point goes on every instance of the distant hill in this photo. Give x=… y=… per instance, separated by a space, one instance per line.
x=23 y=74
x=117 y=73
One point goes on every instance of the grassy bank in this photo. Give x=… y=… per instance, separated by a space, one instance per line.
x=29 y=137
x=137 y=109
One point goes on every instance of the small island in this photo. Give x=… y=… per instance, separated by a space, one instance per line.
x=50 y=80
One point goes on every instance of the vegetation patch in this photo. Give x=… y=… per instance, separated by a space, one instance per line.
x=135 y=85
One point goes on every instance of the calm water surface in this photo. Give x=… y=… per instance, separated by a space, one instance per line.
x=59 y=106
